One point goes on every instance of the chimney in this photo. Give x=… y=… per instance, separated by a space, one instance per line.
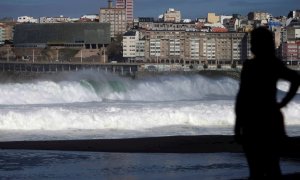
x=110 y=4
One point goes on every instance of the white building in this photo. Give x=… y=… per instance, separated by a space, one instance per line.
x=90 y=17
x=140 y=49
x=2 y=31
x=222 y=18
x=174 y=46
x=26 y=19
x=172 y=16
x=130 y=40
x=155 y=48
x=60 y=19
x=194 y=48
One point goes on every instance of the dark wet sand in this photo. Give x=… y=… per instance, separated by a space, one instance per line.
x=172 y=144
x=168 y=144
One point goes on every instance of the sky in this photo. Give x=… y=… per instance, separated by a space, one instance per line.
x=145 y=8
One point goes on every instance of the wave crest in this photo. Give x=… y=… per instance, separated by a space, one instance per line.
x=90 y=88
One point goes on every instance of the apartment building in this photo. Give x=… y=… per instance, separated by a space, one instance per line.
x=128 y=5
x=196 y=47
x=117 y=19
x=130 y=40
x=293 y=32
x=212 y=18
x=291 y=51
x=294 y=14
x=2 y=32
x=223 y=17
x=232 y=25
x=226 y=48
x=133 y=46
x=6 y=32
x=172 y=15
x=258 y=16
x=290 y=47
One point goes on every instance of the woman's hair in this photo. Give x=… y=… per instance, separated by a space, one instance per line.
x=262 y=42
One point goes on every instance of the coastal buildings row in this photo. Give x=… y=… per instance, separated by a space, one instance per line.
x=186 y=47
x=215 y=39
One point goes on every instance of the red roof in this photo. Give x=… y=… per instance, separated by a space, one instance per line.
x=219 y=29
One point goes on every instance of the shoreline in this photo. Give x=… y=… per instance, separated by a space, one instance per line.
x=163 y=144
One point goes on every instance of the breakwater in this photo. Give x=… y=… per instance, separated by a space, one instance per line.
x=119 y=68
x=136 y=70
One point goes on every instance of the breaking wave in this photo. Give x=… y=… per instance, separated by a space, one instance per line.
x=91 y=88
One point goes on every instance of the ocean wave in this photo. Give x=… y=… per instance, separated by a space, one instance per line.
x=91 y=87
x=127 y=116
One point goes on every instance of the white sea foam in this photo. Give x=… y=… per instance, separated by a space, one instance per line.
x=127 y=116
x=46 y=92
x=284 y=86
x=89 y=90
x=117 y=116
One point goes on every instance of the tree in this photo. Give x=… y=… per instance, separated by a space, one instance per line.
x=115 y=49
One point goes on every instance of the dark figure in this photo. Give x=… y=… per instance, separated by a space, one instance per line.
x=259 y=122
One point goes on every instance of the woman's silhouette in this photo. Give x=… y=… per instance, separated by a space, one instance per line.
x=259 y=122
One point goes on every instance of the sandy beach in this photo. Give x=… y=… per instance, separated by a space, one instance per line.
x=168 y=144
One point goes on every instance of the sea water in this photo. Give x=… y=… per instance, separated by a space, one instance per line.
x=92 y=105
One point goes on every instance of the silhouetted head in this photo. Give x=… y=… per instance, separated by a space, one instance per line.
x=262 y=42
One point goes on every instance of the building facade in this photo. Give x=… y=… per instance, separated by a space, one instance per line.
x=130 y=40
x=290 y=47
x=196 y=47
x=223 y=17
x=116 y=17
x=291 y=52
x=133 y=46
x=128 y=5
x=293 y=32
x=260 y=16
x=294 y=14
x=6 y=32
x=62 y=42
x=72 y=35
x=2 y=32
x=172 y=15
x=212 y=18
